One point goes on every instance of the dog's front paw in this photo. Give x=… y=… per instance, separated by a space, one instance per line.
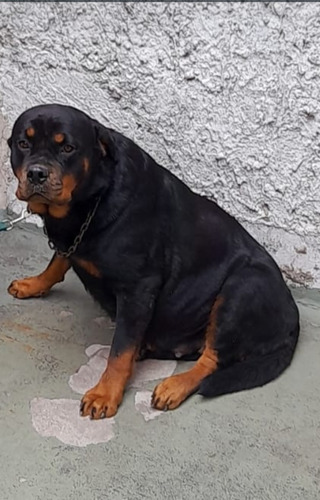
x=28 y=287
x=170 y=393
x=100 y=402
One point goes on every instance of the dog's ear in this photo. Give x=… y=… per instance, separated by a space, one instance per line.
x=9 y=142
x=104 y=139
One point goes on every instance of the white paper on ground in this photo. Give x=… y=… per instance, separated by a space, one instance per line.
x=142 y=402
x=60 y=418
x=89 y=374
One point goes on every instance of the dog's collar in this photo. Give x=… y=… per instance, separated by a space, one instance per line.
x=76 y=242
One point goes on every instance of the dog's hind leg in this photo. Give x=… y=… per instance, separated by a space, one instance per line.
x=250 y=339
x=170 y=393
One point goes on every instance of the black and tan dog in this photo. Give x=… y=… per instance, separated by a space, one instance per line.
x=181 y=277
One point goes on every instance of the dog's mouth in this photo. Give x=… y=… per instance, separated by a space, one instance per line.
x=54 y=201
x=42 y=194
x=38 y=198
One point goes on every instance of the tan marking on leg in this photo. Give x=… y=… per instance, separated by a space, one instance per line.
x=170 y=393
x=89 y=267
x=104 y=399
x=37 y=286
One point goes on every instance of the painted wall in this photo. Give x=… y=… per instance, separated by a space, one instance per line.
x=226 y=95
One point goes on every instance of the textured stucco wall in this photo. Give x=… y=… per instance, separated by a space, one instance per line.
x=226 y=95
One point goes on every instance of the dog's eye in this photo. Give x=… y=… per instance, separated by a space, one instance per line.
x=67 y=148
x=23 y=145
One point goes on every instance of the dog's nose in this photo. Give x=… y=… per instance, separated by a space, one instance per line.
x=37 y=174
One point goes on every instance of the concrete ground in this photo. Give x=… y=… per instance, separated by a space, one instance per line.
x=261 y=444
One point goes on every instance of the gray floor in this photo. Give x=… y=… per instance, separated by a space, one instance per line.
x=260 y=444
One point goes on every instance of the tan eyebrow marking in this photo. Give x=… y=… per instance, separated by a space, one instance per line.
x=30 y=132
x=58 y=138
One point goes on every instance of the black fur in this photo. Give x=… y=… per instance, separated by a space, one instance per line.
x=164 y=254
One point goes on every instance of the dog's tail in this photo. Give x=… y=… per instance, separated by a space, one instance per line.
x=251 y=373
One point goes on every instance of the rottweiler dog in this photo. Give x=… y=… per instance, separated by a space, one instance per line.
x=182 y=278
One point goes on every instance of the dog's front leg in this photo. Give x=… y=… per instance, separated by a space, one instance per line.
x=134 y=312
x=40 y=285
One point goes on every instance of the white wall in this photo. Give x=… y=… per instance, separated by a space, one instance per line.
x=226 y=95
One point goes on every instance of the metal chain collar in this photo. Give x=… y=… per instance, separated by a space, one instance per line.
x=79 y=236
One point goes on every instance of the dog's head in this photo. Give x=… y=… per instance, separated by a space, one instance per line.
x=56 y=152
